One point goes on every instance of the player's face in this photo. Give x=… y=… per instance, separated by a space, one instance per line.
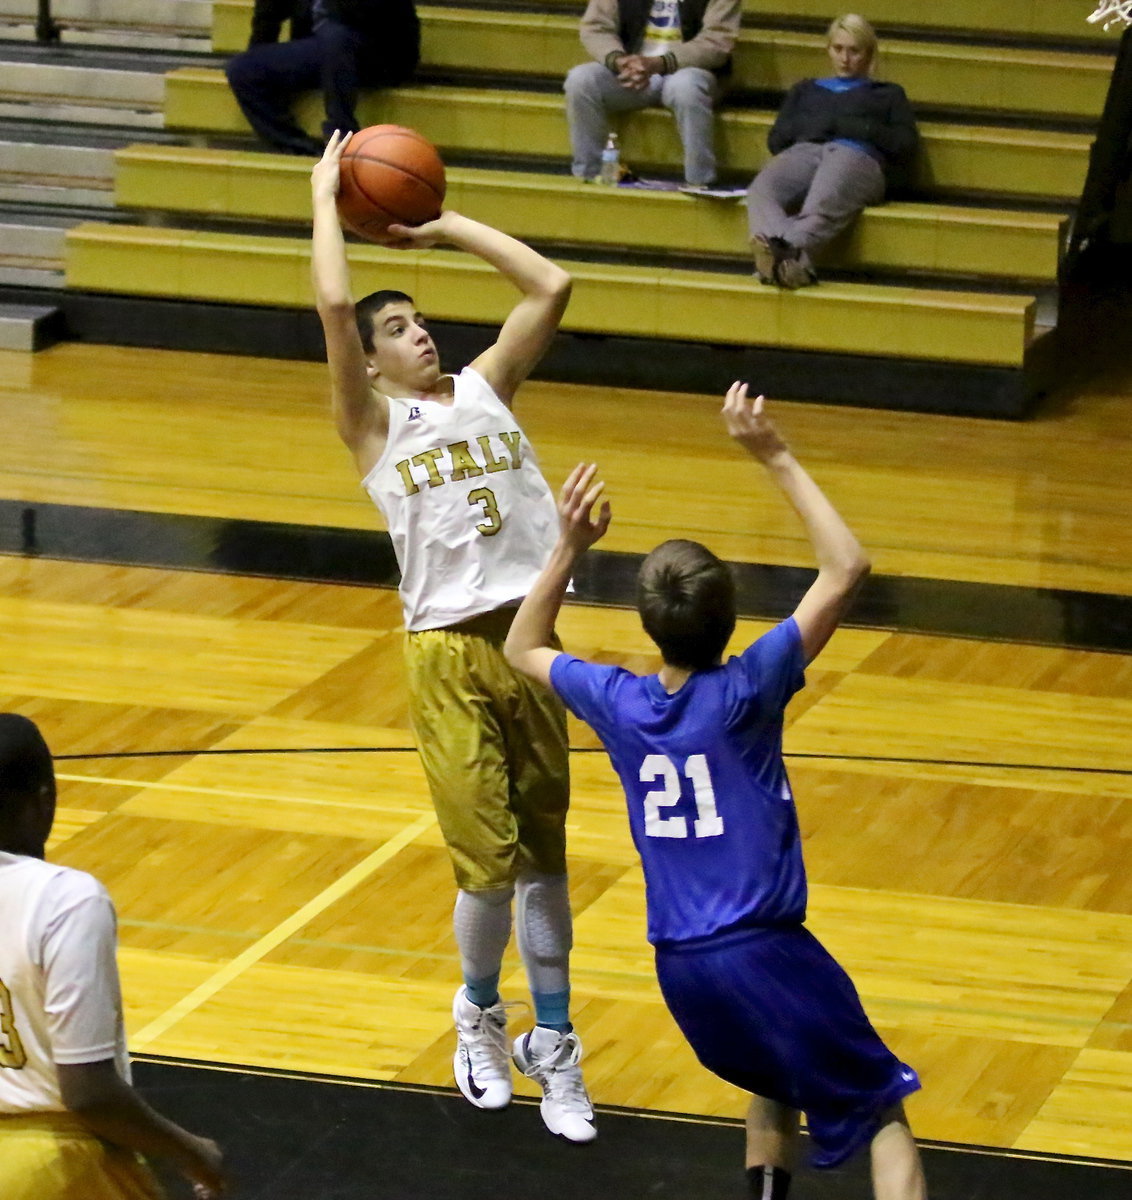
x=850 y=59
x=403 y=350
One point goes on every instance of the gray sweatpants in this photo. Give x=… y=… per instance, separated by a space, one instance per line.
x=811 y=191
x=592 y=93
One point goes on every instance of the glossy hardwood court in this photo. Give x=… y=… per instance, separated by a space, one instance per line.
x=283 y=891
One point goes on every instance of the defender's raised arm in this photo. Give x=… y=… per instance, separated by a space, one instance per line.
x=842 y=563
x=529 y=641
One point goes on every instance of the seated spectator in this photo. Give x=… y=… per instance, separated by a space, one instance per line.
x=652 y=52
x=336 y=46
x=837 y=143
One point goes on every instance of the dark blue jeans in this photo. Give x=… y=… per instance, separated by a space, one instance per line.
x=335 y=59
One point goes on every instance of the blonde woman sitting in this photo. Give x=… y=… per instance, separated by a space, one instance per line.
x=837 y=144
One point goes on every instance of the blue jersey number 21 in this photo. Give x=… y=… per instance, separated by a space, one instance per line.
x=708 y=822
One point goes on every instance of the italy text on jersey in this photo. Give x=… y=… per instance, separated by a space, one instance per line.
x=461 y=461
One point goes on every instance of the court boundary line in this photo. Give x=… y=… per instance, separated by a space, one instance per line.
x=822 y=756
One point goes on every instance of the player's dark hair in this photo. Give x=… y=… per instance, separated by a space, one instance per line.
x=686 y=598
x=25 y=762
x=369 y=306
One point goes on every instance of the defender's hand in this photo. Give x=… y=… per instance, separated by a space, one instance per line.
x=578 y=526
x=749 y=426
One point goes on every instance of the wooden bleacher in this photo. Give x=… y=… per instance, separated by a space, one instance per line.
x=960 y=272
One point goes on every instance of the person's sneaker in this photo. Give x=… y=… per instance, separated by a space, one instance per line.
x=482 y=1062
x=551 y=1060
x=765 y=259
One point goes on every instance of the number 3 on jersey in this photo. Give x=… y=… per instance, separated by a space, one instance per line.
x=492 y=517
x=708 y=822
x=11 y=1048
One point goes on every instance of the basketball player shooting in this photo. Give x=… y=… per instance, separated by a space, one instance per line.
x=472 y=522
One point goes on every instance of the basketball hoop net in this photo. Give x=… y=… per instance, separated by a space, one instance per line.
x=1110 y=11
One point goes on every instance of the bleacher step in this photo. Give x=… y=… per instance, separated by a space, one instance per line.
x=944 y=239
x=96 y=95
x=183 y=25
x=53 y=175
x=29 y=327
x=31 y=254
x=1036 y=21
x=955 y=158
x=644 y=302
x=1051 y=84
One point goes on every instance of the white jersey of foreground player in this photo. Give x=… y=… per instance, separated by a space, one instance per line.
x=471 y=516
x=60 y=1000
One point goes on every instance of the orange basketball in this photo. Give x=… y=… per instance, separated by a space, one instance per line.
x=389 y=175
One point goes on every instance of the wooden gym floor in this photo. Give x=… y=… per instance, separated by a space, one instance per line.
x=236 y=762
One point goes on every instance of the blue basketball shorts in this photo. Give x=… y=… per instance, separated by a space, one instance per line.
x=772 y=1012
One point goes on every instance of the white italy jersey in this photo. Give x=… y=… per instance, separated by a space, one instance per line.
x=59 y=996
x=471 y=517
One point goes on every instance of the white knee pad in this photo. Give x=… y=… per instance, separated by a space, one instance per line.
x=545 y=930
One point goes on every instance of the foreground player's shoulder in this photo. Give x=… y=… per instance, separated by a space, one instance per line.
x=69 y=887
x=68 y=903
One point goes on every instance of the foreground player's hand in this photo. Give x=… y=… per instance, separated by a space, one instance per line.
x=579 y=526
x=749 y=425
x=206 y=1169
x=325 y=175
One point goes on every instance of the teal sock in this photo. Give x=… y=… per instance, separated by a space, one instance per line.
x=552 y=1009
x=483 y=992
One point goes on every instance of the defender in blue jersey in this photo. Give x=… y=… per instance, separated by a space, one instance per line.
x=698 y=748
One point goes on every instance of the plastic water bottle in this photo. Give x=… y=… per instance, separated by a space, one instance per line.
x=610 y=161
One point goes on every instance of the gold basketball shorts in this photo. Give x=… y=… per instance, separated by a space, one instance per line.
x=52 y=1156
x=493 y=746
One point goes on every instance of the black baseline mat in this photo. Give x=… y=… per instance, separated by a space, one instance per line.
x=293 y=1137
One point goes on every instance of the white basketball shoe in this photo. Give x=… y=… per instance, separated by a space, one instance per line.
x=482 y=1062
x=551 y=1060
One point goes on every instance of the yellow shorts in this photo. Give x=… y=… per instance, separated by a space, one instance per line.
x=493 y=745
x=52 y=1156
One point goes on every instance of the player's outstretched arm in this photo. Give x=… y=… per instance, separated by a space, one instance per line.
x=842 y=563
x=361 y=420
x=110 y=1108
x=532 y=323
x=528 y=647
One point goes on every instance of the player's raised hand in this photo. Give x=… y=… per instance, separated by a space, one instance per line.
x=421 y=237
x=579 y=526
x=325 y=175
x=749 y=425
